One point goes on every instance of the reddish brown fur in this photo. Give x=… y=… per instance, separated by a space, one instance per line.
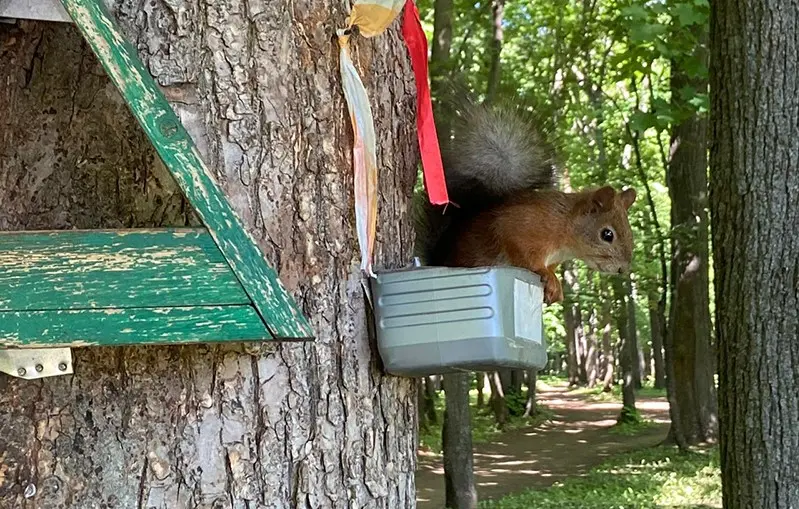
x=538 y=230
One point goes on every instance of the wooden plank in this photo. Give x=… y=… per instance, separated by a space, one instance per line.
x=114 y=269
x=133 y=326
x=44 y=10
x=279 y=311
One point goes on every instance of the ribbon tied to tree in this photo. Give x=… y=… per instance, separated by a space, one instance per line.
x=372 y=17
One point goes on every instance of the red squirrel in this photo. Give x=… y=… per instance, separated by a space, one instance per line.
x=501 y=175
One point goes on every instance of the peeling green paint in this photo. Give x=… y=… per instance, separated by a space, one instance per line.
x=133 y=326
x=105 y=269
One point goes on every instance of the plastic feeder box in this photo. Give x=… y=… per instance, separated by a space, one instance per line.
x=436 y=320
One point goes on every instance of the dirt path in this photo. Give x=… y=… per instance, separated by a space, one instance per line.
x=575 y=440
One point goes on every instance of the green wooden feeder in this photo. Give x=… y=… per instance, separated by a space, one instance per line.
x=64 y=289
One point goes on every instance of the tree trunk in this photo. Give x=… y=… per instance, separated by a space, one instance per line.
x=609 y=360
x=657 y=325
x=479 y=379
x=440 y=63
x=627 y=350
x=530 y=408
x=754 y=182
x=456 y=439
x=280 y=425
x=632 y=324
x=592 y=351
x=573 y=322
x=498 y=403
x=495 y=50
x=421 y=404
x=572 y=364
x=690 y=302
x=430 y=397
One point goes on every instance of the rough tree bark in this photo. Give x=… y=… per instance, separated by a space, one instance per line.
x=754 y=82
x=270 y=425
x=689 y=323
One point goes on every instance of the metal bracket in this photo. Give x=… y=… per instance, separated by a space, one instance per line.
x=34 y=363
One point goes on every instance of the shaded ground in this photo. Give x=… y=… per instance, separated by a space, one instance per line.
x=574 y=441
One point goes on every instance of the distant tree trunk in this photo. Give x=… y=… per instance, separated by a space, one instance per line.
x=430 y=398
x=530 y=408
x=495 y=69
x=440 y=62
x=421 y=404
x=456 y=439
x=278 y=424
x=657 y=325
x=627 y=349
x=573 y=322
x=592 y=350
x=517 y=380
x=555 y=364
x=498 y=403
x=632 y=324
x=690 y=302
x=606 y=318
x=479 y=378
x=646 y=365
x=570 y=320
x=512 y=380
x=753 y=191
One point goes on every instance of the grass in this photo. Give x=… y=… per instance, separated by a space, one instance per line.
x=660 y=477
x=484 y=426
x=596 y=394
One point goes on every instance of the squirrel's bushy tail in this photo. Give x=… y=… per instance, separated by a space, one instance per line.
x=494 y=152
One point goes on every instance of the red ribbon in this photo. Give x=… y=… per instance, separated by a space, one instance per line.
x=416 y=41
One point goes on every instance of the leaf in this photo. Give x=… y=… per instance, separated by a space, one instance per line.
x=640 y=121
x=647 y=32
x=636 y=12
x=689 y=14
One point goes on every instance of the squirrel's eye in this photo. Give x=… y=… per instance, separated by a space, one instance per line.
x=607 y=235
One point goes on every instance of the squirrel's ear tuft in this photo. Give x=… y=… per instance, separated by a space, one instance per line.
x=628 y=197
x=601 y=200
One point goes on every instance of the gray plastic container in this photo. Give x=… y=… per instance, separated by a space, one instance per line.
x=437 y=320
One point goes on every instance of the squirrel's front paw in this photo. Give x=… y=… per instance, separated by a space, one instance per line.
x=553 y=291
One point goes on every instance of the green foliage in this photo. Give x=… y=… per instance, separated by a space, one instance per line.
x=516 y=402
x=660 y=477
